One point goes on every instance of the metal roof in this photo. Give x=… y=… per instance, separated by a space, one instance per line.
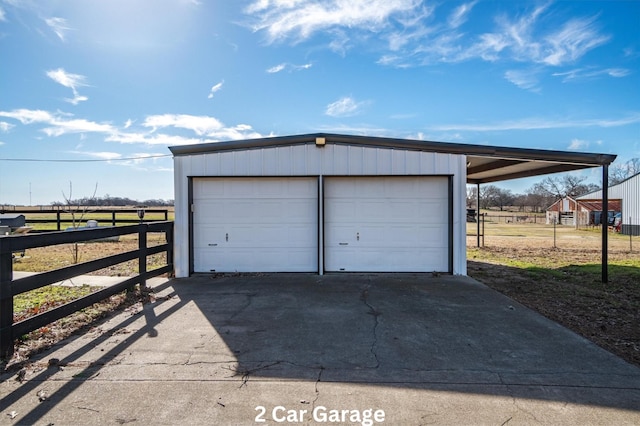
x=485 y=163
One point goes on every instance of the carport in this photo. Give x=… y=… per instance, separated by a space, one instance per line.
x=341 y=203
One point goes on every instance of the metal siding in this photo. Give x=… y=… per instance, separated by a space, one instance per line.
x=356 y=160
x=412 y=163
x=631 y=201
x=427 y=163
x=458 y=169
x=310 y=160
x=181 y=220
x=314 y=162
x=629 y=192
x=370 y=161
x=269 y=162
x=298 y=163
x=384 y=162
x=197 y=163
x=255 y=160
x=398 y=165
x=240 y=162
x=284 y=161
x=341 y=159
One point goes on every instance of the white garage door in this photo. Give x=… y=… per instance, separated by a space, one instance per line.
x=255 y=224
x=386 y=224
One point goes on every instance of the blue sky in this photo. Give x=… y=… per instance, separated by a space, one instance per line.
x=93 y=93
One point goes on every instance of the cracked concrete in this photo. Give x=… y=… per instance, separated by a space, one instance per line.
x=426 y=350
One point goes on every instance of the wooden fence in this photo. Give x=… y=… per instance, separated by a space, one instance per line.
x=64 y=215
x=9 y=287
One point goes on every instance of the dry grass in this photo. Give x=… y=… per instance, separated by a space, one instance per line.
x=53 y=257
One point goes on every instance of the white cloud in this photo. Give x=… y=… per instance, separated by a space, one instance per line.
x=276 y=69
x=298 y=20
x=578 y=144
x=3 y=16
x=215 y=88
x=103 y=155
x=460 y=14
x=289 y=67
x=151 y=139
x=5 y=127
x=210 y=128
x=591 y=73
x=62 y=127
x=72 y=81
x=527 y=80
x=58 y=123
x=28 y=116
x=344 y=107
x=200 y=125
x=572 y=41
x=541 y=123
x=414 y=38
x=59 y=26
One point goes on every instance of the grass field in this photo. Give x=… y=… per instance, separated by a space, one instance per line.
x=103 y=219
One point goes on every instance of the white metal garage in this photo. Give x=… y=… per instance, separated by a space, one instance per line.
x=255 y=224
x=310 y=204
x=326 y=202
x=382 y=224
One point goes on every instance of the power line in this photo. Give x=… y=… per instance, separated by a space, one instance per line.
x=40 y=160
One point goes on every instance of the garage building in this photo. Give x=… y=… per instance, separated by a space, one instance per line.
x=336 y=203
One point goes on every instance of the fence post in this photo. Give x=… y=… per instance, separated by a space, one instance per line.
x=169 y=238
x=113 y=218
x=142 y=254
x=6 y=300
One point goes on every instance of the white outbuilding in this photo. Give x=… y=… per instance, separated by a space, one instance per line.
x=337 y=203
x=628 y=192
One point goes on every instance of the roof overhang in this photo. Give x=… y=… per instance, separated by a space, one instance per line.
x=485 y=163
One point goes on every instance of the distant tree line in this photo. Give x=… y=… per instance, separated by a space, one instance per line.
x=109 y=200
x=546 y=192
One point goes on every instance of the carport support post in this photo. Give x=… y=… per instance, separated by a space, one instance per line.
x=478 y=213
x=605 y=224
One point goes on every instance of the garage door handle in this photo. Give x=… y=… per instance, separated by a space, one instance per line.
x=344 y=244
x=212 y=245
x=226 y=237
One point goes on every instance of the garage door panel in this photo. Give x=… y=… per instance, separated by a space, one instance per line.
x=255 y=224
x=386 y=224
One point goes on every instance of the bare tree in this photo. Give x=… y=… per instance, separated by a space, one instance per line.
x=568 y=185
x=538 y=199
x=624 y=171
x=472 y=197
x=78 y=212
x=492 y=196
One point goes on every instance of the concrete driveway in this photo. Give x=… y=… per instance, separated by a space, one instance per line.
x=339 y=349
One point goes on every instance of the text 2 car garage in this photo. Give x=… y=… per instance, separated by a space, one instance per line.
x=335 y=203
